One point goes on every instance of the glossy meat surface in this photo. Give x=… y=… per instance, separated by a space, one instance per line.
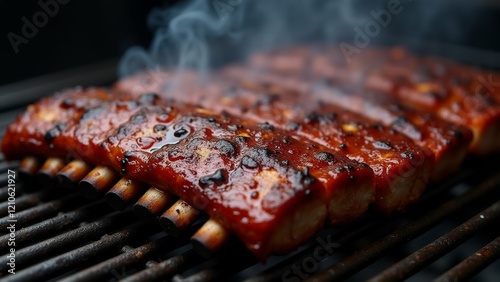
x=346 y=202
x=401 y=167
x=455 y=93
x=266 y=186
x=448 y=142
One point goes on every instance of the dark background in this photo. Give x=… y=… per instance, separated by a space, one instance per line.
x=81 y=32
x=84 y=32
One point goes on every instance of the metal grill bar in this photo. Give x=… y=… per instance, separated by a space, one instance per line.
x=428 y=254
x=3 y=178
x=363 y=227
x=7 y=165
x=122 y=258
x=28 y=201
x=166 y=268
x=43 y=211
x=69 y=240
x=366 y=256
x=339 y=239
x=220 y=271
x=143 y=255
x=54 y=225
x=129 y=257
x=216 y=270
x=4 y=193
x=81 y=255
x=210 y=274
x=473 y=264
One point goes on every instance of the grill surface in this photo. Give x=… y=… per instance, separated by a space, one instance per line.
x=450 y=235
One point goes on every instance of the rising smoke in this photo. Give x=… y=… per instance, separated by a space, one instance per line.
x=202 y=34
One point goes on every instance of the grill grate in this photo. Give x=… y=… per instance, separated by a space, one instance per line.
x=448 y=236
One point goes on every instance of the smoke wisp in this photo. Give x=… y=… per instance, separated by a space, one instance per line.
x=202 y=34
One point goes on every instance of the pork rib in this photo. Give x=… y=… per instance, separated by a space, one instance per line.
x=272 y=194
x=401 y=167
x=429 y=84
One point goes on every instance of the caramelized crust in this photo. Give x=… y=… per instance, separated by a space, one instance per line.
x=243 y=175
x=271 y=152
x=455 y=93
x=448 y=142
x=344 y=205
x=401 y=168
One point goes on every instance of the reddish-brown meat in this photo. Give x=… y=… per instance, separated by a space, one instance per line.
x=268 y=187
x=424 y=83
x=401 y=167
x=448 y=142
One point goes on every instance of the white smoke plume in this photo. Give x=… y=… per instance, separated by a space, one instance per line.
x=202 y=34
